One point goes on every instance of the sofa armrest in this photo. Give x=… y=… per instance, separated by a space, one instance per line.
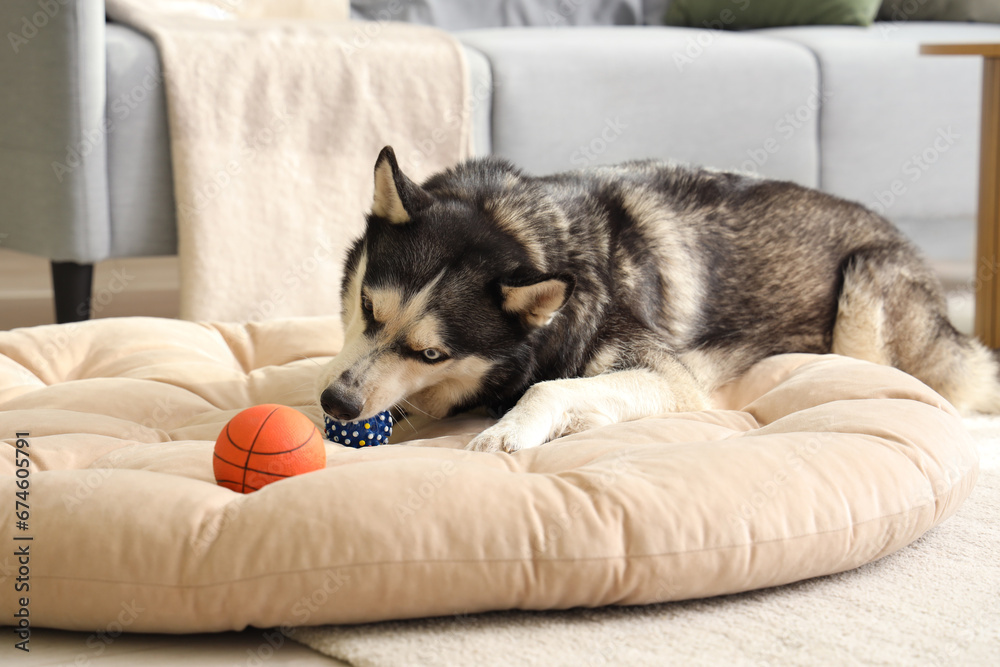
x=53 y=163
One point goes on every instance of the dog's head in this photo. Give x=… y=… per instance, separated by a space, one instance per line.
x=447 y=284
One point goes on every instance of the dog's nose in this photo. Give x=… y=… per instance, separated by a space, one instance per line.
x=339 y=406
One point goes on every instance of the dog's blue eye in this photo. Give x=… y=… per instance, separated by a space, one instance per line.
x=430 y=354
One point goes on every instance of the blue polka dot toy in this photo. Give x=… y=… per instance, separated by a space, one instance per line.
x=364 y=433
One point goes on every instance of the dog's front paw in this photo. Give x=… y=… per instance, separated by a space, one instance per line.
x=537 y=418
x=508 y=435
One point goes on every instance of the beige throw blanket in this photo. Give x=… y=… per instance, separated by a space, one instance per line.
x=277 y=112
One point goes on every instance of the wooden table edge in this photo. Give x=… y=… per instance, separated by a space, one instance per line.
x=987 y=276
x=986 y=50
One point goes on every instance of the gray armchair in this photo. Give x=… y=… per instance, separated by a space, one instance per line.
x=84 y=151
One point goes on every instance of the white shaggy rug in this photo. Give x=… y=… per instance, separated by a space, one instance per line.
x=936 y=602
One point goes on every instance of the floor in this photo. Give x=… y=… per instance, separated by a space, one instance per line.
x=49 y=648
x=135 y=286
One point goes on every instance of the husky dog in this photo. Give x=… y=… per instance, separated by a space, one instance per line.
x=615 y=293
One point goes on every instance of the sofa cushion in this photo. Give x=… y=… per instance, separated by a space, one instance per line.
x=743 y=14
x=141 y=184
x=806 y=466
x=900 y=131
x=940 y=10
x=465 y=15
x=566 y=99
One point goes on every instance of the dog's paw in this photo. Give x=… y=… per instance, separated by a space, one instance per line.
x=510 y=434
x=538 y=417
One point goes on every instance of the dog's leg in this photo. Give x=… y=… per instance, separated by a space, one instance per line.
x=558 y=407
x=891 y=311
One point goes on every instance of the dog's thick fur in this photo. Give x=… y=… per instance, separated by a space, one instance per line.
x=615 y=293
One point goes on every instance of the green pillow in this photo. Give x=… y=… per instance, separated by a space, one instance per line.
x=742 y=14
x=940 y=10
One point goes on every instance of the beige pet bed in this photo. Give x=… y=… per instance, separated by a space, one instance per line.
x=809 y=465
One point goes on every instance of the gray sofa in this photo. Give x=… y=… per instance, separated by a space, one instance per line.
x=84 y=151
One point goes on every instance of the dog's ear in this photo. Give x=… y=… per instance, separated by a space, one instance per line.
x=537 y=303
x=397 y=198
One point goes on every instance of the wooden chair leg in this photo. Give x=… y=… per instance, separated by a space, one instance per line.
x=72 y=284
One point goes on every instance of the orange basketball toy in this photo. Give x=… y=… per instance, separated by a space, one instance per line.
x=264 y=444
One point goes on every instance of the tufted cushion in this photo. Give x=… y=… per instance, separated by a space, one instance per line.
x=808 y=465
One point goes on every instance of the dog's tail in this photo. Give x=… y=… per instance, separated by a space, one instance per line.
x=891 y=311
x=976 y=385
